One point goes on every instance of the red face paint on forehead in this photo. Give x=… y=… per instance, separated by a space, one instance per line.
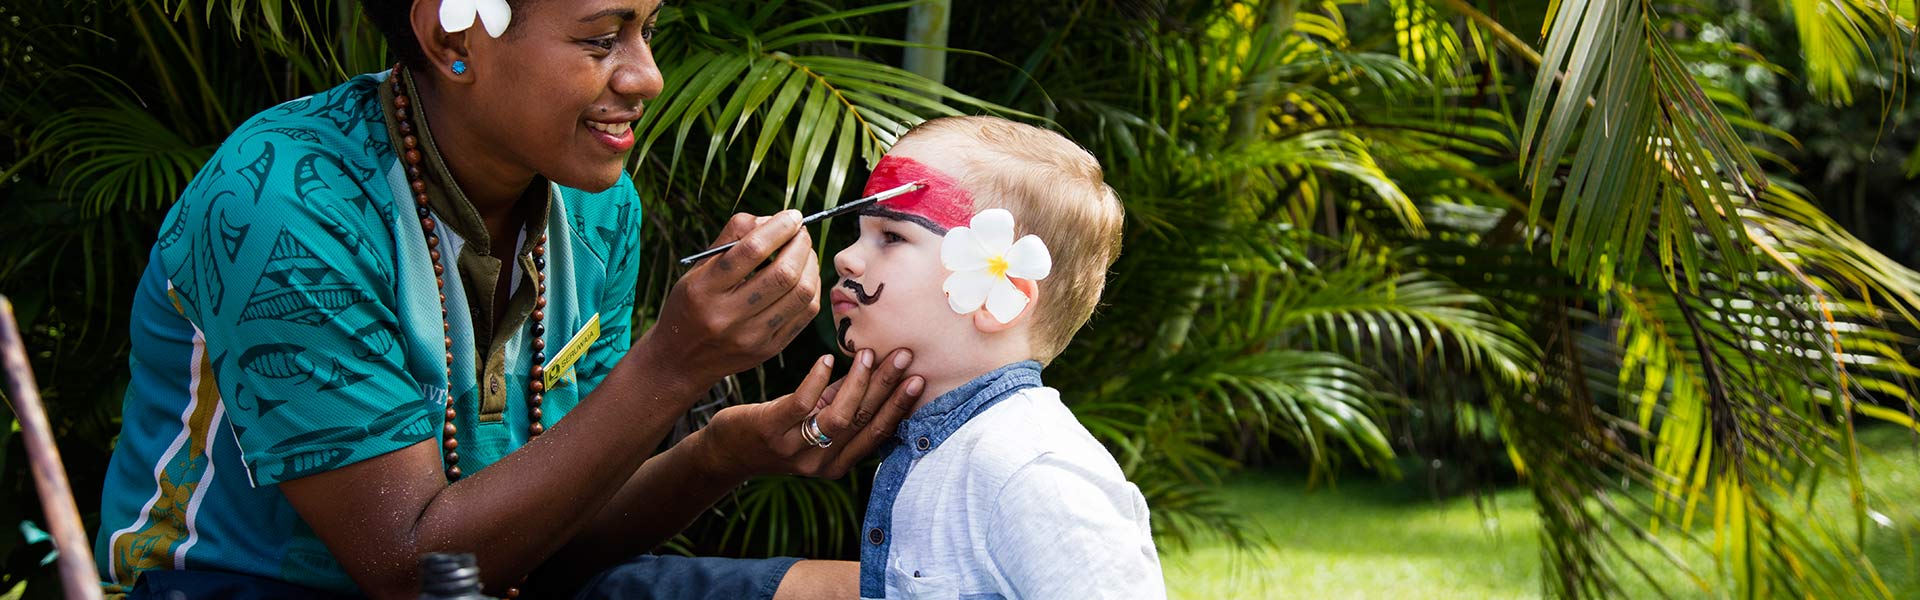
x=940 y=206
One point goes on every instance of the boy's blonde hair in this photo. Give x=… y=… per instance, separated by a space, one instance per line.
x=1056 y=190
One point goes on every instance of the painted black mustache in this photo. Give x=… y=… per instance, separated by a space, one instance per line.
x=860 y=291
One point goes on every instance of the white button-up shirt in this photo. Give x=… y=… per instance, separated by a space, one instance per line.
x=1021 y=502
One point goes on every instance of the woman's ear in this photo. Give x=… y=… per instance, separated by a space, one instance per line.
x=984 y=320
x=442 y=49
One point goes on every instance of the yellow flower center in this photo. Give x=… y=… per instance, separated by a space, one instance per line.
x=997 y=266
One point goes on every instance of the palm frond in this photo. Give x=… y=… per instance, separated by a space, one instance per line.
x=1650 y=144
x=1837 y=38
x=120 y=158
x=792 y=79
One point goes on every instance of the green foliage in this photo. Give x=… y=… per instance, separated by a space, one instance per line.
x=1333 y=240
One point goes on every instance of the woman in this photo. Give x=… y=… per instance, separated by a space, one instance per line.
x=366 y=317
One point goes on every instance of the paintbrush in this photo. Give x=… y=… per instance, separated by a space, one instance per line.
x=825 y=214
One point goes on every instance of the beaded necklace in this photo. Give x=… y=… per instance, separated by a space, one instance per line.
x=536 y=376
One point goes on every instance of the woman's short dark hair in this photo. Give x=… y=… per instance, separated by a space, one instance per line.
x=394 y=19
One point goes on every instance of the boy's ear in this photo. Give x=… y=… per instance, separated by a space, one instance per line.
x=983 y=319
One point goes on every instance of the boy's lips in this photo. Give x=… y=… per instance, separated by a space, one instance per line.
x=842 y=300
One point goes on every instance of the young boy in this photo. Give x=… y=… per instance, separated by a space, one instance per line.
x=991 y=488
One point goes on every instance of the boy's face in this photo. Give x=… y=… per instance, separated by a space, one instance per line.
x=889 y=294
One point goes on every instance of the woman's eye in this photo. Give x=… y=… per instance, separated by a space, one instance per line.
x=646 y=33
x=603 y=43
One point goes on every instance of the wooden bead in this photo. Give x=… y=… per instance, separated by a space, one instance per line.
x=413 y=157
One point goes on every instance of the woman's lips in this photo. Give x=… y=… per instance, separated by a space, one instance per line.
x=618 y=136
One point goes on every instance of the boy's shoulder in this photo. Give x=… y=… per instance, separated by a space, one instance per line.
x=1031 y=425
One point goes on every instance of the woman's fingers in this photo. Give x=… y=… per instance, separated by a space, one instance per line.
x=892 y=372
x=794 y=267
x=837 y=419
x=736 y=228
x=765 y=238
x=796 y=406
x=898 y=405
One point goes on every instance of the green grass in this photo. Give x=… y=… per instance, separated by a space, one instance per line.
x=1377 y=539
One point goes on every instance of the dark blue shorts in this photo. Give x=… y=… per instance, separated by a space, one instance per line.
x=644 y=577
x=652 y=576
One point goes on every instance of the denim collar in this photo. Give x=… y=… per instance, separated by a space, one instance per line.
x=914 y=438
x=937 y=421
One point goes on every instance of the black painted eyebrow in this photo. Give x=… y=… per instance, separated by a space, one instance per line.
x=874 y=210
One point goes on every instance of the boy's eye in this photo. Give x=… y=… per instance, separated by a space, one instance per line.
x=892 y=238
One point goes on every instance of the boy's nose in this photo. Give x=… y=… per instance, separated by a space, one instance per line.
x=847 y=265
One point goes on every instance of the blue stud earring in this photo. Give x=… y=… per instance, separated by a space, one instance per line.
x=459 y=67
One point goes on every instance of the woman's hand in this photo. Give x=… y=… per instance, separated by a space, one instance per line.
x=730 y=313
x=859 y=412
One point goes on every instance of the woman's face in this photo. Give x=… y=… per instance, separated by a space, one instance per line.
x=559 y=92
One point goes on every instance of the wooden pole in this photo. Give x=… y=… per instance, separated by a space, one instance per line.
x=77 y=573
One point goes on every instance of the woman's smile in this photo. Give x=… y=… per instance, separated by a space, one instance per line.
x=615 y=135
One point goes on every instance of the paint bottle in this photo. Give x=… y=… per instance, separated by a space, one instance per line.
x=449 y=577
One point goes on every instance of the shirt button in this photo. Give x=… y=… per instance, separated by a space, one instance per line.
x=876 y=536
x=924 y=444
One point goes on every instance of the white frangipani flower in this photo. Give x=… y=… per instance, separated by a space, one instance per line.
x=983 y=256
x=457 y=15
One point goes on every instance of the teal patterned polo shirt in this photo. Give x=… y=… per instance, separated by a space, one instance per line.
x=289 y=323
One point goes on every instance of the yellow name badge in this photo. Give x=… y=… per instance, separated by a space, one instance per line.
x=562 y=364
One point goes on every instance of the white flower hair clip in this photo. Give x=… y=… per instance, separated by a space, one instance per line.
x=983 y=256
x=457 y=15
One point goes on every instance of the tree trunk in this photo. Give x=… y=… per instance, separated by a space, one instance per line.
x=927 y=24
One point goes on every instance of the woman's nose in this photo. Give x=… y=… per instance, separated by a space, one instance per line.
x=640 y=77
